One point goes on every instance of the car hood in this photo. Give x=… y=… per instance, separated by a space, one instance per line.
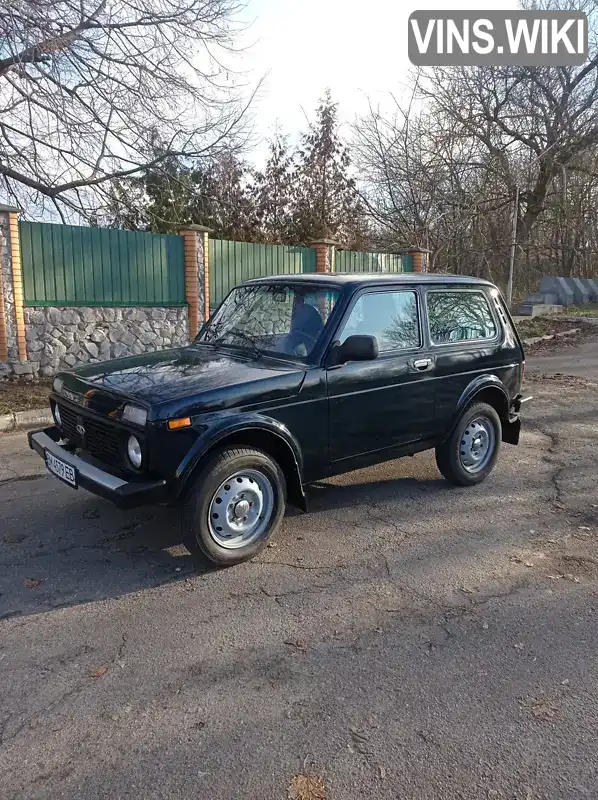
x=188 y=378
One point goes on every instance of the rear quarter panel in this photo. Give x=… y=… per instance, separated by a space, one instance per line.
x=462 y=364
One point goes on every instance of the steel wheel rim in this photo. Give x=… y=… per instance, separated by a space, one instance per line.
x=477 y=444
x=241 y=509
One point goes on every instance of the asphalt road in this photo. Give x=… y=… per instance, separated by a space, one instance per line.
x=404 y=640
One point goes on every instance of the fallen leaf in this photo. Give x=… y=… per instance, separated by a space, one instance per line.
x=14 y=538
x=31 y=583
x=97 y=673
x=306 y=787
x=298 y=644
x=543 y=710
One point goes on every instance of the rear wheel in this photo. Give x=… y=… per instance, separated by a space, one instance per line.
x=468 y=456
x=235 y=505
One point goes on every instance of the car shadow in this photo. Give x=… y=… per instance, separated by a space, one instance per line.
x=69 y=548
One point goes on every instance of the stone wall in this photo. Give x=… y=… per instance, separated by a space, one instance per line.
x=9 y=295
x=60 y=338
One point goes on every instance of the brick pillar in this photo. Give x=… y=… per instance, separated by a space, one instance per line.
x=3 y=321
x=419 y=259
x=13 y=347
x=197 y=275
x=325 y=252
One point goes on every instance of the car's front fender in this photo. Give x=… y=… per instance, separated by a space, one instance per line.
x=218 y=428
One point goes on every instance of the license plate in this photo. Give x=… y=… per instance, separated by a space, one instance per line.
x=61 y=469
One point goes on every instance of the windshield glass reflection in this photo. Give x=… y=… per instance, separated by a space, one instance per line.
x=273 y=319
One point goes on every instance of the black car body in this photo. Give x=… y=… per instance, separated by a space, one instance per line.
x=359 y=387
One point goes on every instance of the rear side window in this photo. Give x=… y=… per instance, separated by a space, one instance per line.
x=391 y=317
x=459 y=317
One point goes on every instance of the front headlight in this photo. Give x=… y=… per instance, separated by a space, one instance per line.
x=57 y=385
x=56 y=413
x=134 y=414
x=134 y=452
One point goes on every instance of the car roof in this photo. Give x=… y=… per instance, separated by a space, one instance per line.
x=341 y=279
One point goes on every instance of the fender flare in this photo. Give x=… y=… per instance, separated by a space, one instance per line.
x=229 y=425
x=475 y=387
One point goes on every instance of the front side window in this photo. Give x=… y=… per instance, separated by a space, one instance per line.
x=284 y=320
x=391 y=317
x=459 y=317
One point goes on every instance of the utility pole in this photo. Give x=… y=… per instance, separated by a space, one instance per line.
x=513 y=246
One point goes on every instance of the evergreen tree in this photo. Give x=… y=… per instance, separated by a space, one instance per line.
x=214 y=193
x=272 y=190
x=325 y=200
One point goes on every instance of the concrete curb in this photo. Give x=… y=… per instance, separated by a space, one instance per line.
x=536 y=339
x=24 y=420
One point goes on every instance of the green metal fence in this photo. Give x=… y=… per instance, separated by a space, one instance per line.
x=234 y=262
x=353 y=261
x=69 y=265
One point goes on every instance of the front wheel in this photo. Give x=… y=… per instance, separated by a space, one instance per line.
x=468 y=456
x=235 y=505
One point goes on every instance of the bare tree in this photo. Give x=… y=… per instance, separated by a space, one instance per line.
x=441 y=170
x=92 y=90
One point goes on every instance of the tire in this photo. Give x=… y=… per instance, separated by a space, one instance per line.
x=240 y=481
x=462 y=458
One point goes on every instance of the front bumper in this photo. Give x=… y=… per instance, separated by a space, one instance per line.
x=124 y=494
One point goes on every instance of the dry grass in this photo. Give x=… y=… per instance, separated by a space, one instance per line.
x=307 y=787
x=543 y=326
x=18 y=395
x=590 y=310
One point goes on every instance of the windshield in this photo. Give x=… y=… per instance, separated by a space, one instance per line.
x=274 y=319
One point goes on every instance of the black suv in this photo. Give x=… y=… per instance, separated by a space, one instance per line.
x=293 y=379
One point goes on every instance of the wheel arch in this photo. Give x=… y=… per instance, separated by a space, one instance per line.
x=485 y=389
x=282 y=448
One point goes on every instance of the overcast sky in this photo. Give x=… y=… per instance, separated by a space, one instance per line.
x=358 y=49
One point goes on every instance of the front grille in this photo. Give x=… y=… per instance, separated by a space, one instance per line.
x=100 y=439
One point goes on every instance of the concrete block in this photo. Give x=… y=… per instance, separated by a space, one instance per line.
x=23 y=368
x=582 y=298
x=529 y=308
x=552 y=284
x=591 y=286
x=543 y=297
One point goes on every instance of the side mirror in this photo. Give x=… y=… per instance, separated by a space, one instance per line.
x=356 y=348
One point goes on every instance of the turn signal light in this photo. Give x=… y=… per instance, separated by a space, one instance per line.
x=175 y=424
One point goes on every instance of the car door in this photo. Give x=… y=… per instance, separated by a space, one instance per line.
x=378 y=405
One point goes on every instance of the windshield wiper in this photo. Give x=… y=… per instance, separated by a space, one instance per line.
x=241 y=335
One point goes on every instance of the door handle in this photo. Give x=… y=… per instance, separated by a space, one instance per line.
x=422 y=364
